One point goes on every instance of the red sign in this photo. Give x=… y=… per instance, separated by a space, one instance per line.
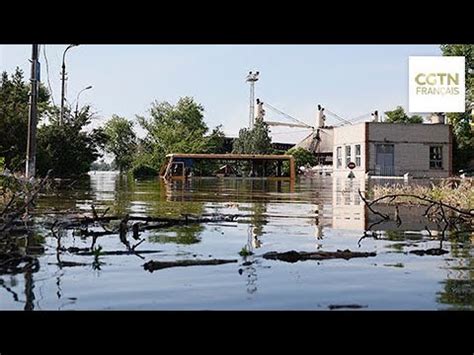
x=351 y=165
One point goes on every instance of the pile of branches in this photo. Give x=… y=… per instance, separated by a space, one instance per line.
x=99 y=224
x=436 y=210
x=17 y=199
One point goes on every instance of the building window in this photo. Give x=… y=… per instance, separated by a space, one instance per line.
x=357 y=155
x=339 y=156
x=436 y=157
x=348 y=154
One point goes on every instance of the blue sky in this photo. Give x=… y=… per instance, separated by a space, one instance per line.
x=350 y=80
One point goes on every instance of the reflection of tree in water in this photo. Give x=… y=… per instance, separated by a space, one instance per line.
x=124 y=188
x=13 y=283
x=31 y=243
x=257 y=222
x=64 y=195
x=458 y=293
x=459 y=286
x=29 y=294
x=189 y=234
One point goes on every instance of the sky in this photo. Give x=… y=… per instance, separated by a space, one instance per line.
x=349 y=80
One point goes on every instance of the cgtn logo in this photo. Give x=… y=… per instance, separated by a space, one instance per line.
x=436 y=84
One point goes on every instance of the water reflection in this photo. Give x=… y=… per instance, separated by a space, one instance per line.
x=323 y=213
x=348 y=210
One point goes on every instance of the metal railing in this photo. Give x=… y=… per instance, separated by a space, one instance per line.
x=381 y=170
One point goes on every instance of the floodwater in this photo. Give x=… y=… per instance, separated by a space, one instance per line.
x=323 y=213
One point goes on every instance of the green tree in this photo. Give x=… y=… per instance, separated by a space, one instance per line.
x=254 y=141
x=399 y=116
x=68 y=149
x=302 y=157
x=14 y=100
x=462 y=122
x=215 y=142
x=121 y=141
x=178 y=128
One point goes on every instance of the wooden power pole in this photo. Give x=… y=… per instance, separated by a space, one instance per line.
x=32 y=115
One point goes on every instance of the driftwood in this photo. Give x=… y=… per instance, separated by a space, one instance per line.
x=294 y=256
x=158 y=265
x=342 y=306
x=118 y=252
x=433 y=251
x=68 y=264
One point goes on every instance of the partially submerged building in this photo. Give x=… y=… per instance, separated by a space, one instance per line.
x=393 y=149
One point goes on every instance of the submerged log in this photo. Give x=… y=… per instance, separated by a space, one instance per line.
x=342 y=306
x=118 y=252
x=158 y=265
x=69 y=264
x=294 y=256
x=433 y=251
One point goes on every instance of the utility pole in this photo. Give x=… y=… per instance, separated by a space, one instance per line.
x=63 y=82
x=252 y=78
x=32 y=115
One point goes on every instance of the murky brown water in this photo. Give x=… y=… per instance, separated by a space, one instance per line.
x=323 y=213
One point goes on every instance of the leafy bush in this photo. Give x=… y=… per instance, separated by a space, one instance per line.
x=67 y=149
x=144 y=170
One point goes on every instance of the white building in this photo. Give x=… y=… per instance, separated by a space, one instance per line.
x=393 y=149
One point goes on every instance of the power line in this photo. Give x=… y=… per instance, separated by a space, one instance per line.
x=338 y=117
x=47 y=73
x=358 y=118
x=287 y=115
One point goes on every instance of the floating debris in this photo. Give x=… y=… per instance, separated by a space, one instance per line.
x=349 y=306
x=433 y=251
x=294 y=256
x=158 y=265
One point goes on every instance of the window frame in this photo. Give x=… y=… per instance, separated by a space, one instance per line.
x=358 y=157
x=348 y=149
x=437 y=162
x=339 y=157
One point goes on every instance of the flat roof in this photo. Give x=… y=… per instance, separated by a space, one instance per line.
x=394 y=123
x=232 y=156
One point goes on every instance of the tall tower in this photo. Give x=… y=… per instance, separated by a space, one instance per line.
x=252 y=78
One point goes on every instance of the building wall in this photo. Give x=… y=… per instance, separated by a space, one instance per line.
x=411 y=147
x=350 y=135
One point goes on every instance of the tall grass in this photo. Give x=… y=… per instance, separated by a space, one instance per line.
x=454 y=192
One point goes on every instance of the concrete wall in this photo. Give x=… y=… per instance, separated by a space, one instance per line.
x=350 y=135
x=411 y=147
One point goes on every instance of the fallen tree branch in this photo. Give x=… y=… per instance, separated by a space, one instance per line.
x=158 y=265
x=294 y=256
x=369 y=206
x=469 y=213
